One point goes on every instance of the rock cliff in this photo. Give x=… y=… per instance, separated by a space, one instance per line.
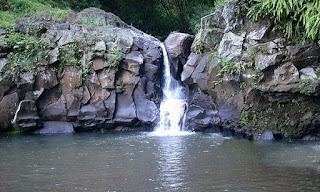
x=86 y=72
x=248 y=79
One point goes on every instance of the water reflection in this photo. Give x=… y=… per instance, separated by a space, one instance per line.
x=172 y=166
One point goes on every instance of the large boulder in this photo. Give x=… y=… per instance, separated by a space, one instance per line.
x=26 y=117
x=97 y=17
x=147 y=111
x=5 y=85
x=87 y=74
x=201 y=113
x=56 y=127
x=230 y=47
x=8 y=107
x=178 y=48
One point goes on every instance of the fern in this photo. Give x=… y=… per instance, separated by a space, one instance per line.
x=300 y=18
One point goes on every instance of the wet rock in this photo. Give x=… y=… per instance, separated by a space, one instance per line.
x=310 y=138
x=53 y=55
x=61 y=26
x=99 y=48
x=267 y=136
x=71 y=78
x=35 y=23
x=26 y=117
x=263 y=61
x=73 y=102
x=4 y=65
x=99 y=63
x=178 y=48
x=107 y=78
x=304 y=56
x=125 y=109
x=110 y=105
x=147 y=111
x=96 y=16
x=259 y=32
x=26 y=80
x=87 y=112
x=150 y=71
x=232 y=20
x=56 y=111
x=5 y=85
x=132 y=62
x=46 y=79
x=86 y=95
x=8 y=107
x=287 y=72
x=186 y=74
x=200 y=113
x=230 y=47
x=307 y=74
x=56 y=127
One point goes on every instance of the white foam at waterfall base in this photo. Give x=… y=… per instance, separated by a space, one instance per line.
x=172 y=108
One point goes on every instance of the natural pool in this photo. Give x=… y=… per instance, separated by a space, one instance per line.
x=142 y=162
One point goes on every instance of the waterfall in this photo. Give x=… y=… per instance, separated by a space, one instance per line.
x=173 y=106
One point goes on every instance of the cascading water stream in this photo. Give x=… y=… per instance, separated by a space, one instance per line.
x=173 y=106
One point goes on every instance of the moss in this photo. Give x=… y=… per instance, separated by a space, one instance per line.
x=14 y=133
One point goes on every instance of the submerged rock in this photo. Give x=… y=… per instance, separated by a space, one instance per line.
x=267 y=136
x=56 y=127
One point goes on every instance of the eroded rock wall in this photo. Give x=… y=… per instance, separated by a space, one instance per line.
x=252 y=79
x=93 y=71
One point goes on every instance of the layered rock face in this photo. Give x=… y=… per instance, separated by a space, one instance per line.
x=248 y=79
x=93 y=71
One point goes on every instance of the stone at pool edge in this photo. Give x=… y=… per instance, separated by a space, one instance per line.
x=56 y=127
x=267 y=136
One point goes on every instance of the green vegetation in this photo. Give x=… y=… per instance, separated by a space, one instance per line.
x=27 y=52
x=120 y=87
x=244 y=117
x=243 y=85
x=112 y=62
x=71 y=54
x=14 y=133
x=299 y=18
x=304 y=86
x=198 y=46
x=11 y=10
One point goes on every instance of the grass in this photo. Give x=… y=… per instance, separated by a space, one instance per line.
x=13 y=9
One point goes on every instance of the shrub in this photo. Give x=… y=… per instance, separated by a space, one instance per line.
x=300 y=18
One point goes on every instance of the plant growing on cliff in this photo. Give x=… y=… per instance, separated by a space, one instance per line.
x=299 y=18
x=70 y=54
x=27 y=52
x=117 y=55
x=303 y=86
